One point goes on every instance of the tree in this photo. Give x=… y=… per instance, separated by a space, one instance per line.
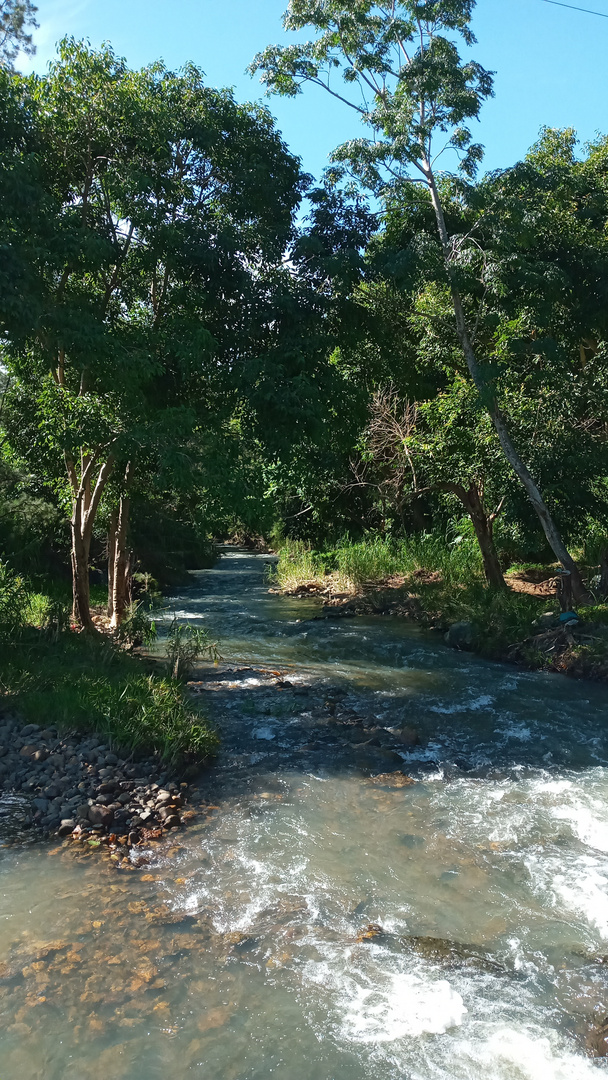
x=16 y=17
x=446 y=444
x=414 y=89
x=166 y=200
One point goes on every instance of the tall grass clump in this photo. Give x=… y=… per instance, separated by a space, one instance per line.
x=298 y=565
x=455 y=557
x=367 y=561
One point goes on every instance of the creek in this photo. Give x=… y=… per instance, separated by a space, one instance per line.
x=346 y=905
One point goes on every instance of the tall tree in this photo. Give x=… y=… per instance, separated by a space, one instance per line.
x=166 y=200
x=418 y=96
x=16 y=18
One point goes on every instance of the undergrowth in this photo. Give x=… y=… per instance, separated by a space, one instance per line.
x=442 y=584
x=54 y=677
x=371 y=561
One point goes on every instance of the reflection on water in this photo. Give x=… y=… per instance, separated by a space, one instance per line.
x=316 y=923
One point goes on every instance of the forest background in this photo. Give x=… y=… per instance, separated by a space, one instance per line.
x=395 y=372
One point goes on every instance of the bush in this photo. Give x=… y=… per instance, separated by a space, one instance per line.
x=14 y=603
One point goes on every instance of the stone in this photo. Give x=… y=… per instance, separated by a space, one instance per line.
x=41 y=755
x=66 y=827
x=597 y=1039
x=461 y=635
x=124 y=797
x=546 y=621
x=82 y=812
x=101 y=815
x=407 y=735
x=29 y=729
x=41 y=804
x=172 y=821
x=28 y=750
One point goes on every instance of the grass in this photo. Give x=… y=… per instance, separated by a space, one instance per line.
x=445 y=575
x=54 y=677
x=351 y=565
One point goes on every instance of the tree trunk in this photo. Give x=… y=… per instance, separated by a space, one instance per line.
x=111 y=560
x=122 y=562
x=580 y=592
x=483 y=524
x=603 y=589
x=84 y=509
x=81 y=606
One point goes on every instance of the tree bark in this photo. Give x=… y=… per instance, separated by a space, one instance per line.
x=580 y=592
x=111 y=560
x=81 y=606
x=603 y=589
x=483 y=524
x=122 y=562
x=84 y=510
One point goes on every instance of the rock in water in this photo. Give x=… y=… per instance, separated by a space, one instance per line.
x=461 y=635
x=597 y=1039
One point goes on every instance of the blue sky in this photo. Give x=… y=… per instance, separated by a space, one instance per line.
x=550 y=63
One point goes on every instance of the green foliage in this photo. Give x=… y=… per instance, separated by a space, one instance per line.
x=401 y=72
x=14 y=602
x=371 y=561
x=76 y=682
x=136 y=628
x=185 y=645
x=16 y=18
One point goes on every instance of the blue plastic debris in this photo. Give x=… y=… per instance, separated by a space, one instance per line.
x=568 y=617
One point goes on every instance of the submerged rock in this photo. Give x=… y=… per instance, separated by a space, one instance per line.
x=597 y=1039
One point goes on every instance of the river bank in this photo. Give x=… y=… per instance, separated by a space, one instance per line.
x=75 y=785
x=519 y=626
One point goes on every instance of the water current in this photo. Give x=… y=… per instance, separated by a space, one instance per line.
x=347 y=905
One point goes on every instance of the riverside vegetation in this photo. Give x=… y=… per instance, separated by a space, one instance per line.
x=398 y=374
x=440 y=584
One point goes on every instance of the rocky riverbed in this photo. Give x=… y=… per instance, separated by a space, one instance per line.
x=76 y=785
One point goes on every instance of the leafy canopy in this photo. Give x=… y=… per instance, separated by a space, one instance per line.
x=398 y=66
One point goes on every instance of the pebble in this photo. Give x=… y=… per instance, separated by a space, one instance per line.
x=79 y=786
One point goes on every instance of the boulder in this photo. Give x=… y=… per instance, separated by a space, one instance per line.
x=407 y=735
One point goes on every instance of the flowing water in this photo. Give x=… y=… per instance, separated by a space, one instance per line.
x=347 y=906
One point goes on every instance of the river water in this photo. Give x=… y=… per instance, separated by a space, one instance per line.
x=347 y=905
